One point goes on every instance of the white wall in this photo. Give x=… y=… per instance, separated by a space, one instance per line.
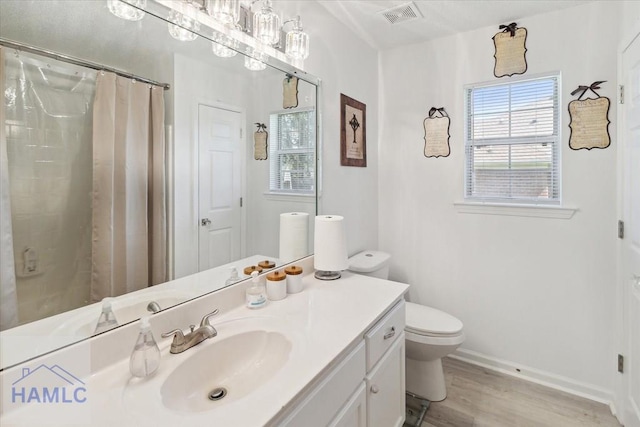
x=536 y=292
x=348 y=65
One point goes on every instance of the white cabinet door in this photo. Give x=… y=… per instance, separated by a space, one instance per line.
x=354 y=412
x=385 y=388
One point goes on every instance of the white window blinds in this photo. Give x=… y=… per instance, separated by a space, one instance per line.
x=512 y=142
x=292 y=161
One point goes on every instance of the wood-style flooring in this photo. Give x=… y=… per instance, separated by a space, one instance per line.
x=481 y=397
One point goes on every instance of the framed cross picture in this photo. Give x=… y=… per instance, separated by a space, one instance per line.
x=353 y=132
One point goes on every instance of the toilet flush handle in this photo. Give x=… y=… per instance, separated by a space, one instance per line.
x=391 y=333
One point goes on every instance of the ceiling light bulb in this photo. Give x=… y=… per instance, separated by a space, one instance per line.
x=224 y=46
x=266 y=25
x=224 y=11
x=125 y=9
x=255 y=60
x=297 y=42
x=184 y=24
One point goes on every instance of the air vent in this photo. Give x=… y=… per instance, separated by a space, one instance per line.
x=403 y=13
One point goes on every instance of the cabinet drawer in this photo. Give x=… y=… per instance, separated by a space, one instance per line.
x=384 y=333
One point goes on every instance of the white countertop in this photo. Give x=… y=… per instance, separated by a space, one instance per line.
x=321 y=322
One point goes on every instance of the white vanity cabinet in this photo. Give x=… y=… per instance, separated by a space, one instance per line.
x=366 y=387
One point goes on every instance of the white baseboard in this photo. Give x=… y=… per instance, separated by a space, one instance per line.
x=548 y=379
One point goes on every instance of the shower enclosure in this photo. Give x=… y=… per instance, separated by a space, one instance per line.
x=83 y=207
x=48 y=129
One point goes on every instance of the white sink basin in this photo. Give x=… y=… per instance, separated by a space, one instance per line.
x=227 y=369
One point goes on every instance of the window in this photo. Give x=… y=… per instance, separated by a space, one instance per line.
x=292 y=152
x=512 y=142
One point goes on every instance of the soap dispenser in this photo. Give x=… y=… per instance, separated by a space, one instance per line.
x=145 y=357
x=233 y=277
x=256 y=293
x=107 y=319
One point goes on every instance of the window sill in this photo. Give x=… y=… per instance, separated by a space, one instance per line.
x=536 y=211
x=290 y=197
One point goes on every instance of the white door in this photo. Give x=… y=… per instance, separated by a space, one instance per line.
x=631 y=241
x=219 y=185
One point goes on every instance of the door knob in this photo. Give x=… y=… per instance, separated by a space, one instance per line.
x=636 y=281
x=374 y=389
x=205 y=221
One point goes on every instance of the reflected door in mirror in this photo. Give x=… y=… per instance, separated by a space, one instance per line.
x=220 y=186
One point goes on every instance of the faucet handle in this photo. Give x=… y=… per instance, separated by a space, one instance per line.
x=205 y=319
x=178 y=336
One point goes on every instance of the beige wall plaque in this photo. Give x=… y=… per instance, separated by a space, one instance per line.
x=436 y=135
x=510 y=51
x=589 y=123
x=260 y=138
x=290 y=92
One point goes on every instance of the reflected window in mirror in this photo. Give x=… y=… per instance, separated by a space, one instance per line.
x=292 y=152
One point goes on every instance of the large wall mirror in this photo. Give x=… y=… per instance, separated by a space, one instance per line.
x=115 y=184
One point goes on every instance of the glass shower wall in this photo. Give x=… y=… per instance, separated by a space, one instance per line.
x=48 y=119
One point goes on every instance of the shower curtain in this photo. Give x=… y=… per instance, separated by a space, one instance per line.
x=8 y=297
x=129 y=206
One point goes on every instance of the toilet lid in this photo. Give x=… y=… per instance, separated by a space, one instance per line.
x=423 y=320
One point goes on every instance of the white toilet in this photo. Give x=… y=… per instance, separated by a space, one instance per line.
x=430 y=334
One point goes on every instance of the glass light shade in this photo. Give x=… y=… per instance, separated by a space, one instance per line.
x=185 y=25
x=123 y=9
x=254 y=60
x=297 y=44
x=266 y=25
x=224 y=11
x=223 y=45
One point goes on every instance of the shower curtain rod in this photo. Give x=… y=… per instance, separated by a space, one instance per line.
x=77 y=61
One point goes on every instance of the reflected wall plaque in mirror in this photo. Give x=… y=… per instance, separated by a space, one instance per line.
x=88 y=211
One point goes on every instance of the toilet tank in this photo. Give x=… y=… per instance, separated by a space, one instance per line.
x=371 y=263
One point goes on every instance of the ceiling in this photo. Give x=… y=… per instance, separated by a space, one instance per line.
x=439 y=17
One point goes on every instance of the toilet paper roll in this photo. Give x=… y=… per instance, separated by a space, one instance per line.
x=330 y=244
x=294 y=236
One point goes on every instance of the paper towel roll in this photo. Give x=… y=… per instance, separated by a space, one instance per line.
x=294 y=236
x=330 y=244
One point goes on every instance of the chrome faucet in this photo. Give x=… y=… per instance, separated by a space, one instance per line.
x=182 y=342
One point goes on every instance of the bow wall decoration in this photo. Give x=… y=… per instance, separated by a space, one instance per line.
x=589 y=122
x=510 y=50
x=436 y=133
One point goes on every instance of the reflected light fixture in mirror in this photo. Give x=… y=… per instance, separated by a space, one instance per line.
x=123 y=9
x=297 y=41
x=255 y=60
x=185 y=22
x=224 y=46
x=224 y=11
x=266 y=25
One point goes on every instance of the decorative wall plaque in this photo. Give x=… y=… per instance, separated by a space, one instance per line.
x=260 y=138
x=589 y=119
x=436 y=133
x=511 y=50
x=290 y=92
x=353 y=132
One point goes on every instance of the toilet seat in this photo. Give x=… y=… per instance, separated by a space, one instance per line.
x=427 y=321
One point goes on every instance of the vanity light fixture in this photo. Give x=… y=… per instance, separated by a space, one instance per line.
x=224 y=11
x=224 y=46
x=297 y=41
x=266 y=25
x=255 y=60
x=183 y=24
x=125 y=9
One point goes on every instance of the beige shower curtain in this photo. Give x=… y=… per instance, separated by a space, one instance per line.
x=8 y=297
x=129 y=206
